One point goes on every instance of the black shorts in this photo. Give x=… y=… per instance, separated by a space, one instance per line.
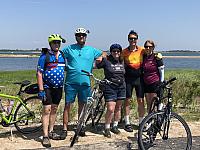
x=136 y=83
x=151 y=88
x=113 y=93
x=54 y=96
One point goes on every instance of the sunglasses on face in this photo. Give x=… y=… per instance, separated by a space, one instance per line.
x=80 y=34
x=56 y=42
x=148 y=46
x=132 y=39
x=115 y=51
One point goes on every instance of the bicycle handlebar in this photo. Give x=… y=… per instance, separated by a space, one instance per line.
x=165 y=83
x=104 y=81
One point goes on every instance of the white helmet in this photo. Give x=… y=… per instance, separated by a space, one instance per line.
x=81 y=30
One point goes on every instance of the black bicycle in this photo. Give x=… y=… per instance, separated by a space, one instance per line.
x=94 y=107
x=162 y=128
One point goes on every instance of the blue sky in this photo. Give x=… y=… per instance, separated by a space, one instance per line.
x=172 y=24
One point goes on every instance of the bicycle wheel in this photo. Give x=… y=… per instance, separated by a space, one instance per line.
x=158 y=132
x=97 y=111
x=29 y=121
x=81 y=122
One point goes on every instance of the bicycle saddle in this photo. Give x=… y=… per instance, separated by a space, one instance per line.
x=23 y=83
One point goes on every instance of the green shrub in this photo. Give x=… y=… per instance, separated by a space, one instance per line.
x=186 y=90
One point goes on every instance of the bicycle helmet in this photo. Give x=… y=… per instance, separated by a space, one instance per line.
x=81 y=30
x=56 y=37
x=115 y=46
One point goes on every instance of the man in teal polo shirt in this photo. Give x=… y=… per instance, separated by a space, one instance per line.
x=79 y=57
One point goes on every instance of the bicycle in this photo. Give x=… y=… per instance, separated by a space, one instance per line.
x=25 y=114
x=158 y=128
x=94 y=107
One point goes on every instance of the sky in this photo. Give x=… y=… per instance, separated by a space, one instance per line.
x=171 y=24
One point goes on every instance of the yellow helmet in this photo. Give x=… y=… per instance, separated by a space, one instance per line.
x=54 y=37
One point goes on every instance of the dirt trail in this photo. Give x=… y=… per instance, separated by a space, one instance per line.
x=93 y=140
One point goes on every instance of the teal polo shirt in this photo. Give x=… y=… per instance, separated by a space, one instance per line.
x=79 y=58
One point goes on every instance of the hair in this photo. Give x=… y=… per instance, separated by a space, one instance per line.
x=133 y=32
x=151 y=42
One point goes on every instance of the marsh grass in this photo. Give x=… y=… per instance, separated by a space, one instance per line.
x=186 y=91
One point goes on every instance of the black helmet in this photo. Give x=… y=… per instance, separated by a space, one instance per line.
x=115 y=46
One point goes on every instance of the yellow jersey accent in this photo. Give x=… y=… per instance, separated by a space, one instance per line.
x=133 y=58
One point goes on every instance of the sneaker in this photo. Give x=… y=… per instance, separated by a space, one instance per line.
x=63 y=135
x=82 y=132
x=54 y=136
x=128 y=128
x=46 y=142
x=115 y=130
x=107 y=133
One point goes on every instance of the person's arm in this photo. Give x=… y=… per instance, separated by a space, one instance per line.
x=40 y=70
x=97 y=61
x=40 y=81
x=161 y=72
x=160 y=66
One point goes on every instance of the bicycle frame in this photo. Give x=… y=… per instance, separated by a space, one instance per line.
x=9 y=119
x=167 y=110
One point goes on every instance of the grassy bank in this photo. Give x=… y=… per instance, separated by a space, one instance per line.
x=186 y=89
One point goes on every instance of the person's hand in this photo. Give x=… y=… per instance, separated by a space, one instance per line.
x=158 y=56
x=42 y=95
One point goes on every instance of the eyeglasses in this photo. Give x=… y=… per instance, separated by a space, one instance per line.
x=132 y=39
x=80 y=34
x=115 y=51
x=148 y=46
x=56 y=42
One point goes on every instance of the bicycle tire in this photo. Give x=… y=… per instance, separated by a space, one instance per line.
x=99 y=110
x=81 y=122
x=25 y=122
x=150 y=131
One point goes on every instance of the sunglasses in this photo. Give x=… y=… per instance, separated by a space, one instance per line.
x=132 y=39
x=81 y=34
x=56 y=42
x=115 y=51
x=148 y=46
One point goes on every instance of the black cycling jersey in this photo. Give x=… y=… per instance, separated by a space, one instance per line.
x=113 y=70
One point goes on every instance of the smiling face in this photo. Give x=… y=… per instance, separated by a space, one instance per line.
x=81 y=38
x=132 y=38
x=149 y=47
x=55 y=45
x=116 y=53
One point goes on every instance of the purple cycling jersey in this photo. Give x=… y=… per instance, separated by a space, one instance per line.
x=150 y=69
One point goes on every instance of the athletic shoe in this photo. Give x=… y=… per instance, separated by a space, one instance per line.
x=63 y=135
x=115 y=130
x=128 y=128
x=107 y=133
x=46 y=142
x=54 y=136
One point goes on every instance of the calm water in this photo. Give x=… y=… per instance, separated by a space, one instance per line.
x=13 y=64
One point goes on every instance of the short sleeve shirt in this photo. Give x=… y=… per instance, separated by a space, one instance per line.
x=79 y=58
x=53 y=74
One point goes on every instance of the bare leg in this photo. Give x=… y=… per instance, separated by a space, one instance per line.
x=127 y=106
x=149 y=97
x=109 y=112
x=66 y=114
x=45 y=119
x=80 y=107
x=52 y=118
x=141 y=109
x=117 y=112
